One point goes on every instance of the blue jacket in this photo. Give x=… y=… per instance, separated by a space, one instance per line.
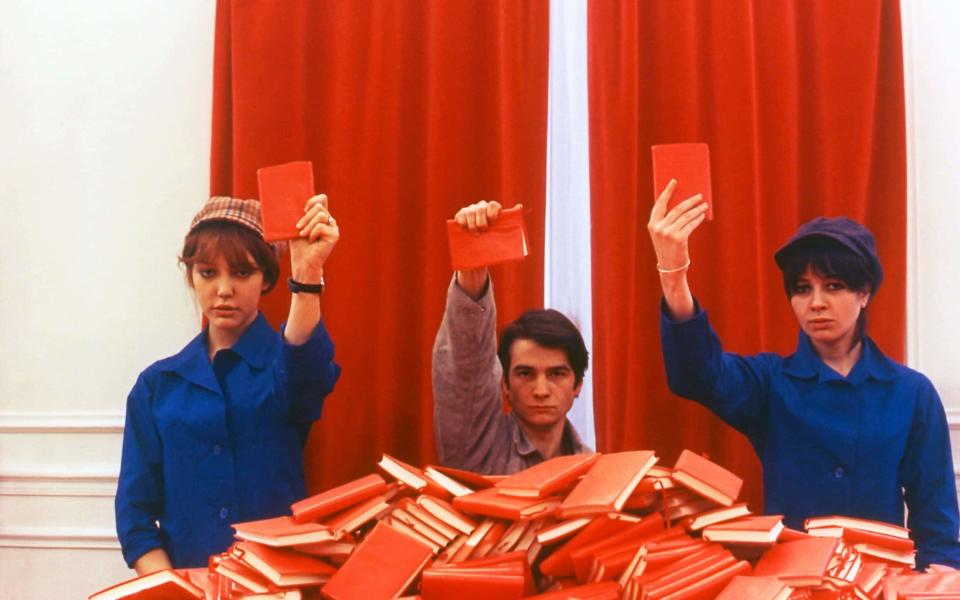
x=859 y=445
x=207 y=444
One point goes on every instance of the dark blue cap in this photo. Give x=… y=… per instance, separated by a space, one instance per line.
x=851 y=235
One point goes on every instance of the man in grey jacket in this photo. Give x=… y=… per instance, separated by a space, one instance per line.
x=538 y=367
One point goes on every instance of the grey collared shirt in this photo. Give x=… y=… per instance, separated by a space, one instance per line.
x=470 y=428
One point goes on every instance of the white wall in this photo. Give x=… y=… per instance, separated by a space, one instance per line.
x=105 y=121
x=931 y=51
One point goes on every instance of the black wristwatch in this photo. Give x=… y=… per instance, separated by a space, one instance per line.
x=304 y=288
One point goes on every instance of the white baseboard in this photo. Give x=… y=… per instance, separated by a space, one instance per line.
x=58 y=480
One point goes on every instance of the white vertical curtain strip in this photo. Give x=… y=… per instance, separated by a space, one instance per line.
x=567 y=273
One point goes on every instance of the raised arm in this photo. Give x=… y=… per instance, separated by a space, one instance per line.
x=465 y=370
x=319 y=233
x=670 y=231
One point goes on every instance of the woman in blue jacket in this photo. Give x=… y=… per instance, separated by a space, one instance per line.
x=214 y=435
x=839 y=428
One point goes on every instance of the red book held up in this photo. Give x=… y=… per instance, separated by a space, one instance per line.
x=689 y=164
x=284 y=191
x=504 y=241
x=338 y=498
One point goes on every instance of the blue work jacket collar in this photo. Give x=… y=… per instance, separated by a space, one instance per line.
x=805 y=364
x=193 y=364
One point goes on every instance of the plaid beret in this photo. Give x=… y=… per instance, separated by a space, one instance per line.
x=235 y=210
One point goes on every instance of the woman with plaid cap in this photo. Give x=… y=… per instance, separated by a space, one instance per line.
x=840 y=428
x=214 y=435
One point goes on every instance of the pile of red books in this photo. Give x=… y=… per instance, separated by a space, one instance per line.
x=586 y=526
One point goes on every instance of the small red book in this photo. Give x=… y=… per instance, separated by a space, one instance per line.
x=161 y=585
x=283 y=531
x=447 y=513
x=506 y=581
x=745 y=587
x=707 y=478
x=338 y=498
x=284 y=568
x=689 y=164
x=491 y=503
x=855 y=523
x=504 y=241
x=599 y=531
x=799 y=563
x=384 y=565
x=547 y=478
x=718 y=515
x=601 y=590
x=284 y=191
x=411 y=476
x=608 y=484
x=470 y=478
x=353 y=518
x=763 y=529
x=232 y=569
x=859 y=536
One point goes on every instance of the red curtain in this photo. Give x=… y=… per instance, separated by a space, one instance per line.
x=802 y=106
x=408 y=110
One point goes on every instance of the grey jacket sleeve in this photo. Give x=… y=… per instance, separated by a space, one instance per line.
x=467 y=416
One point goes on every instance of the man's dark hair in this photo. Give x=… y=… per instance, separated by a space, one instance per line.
x=548 y=328
x=829 y=258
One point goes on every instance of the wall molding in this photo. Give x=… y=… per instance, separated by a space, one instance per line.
x=58 y=538
x=58 y=480
x=61 y=422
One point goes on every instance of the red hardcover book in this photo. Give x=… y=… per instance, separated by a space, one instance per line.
x=283 y=531
x=250 y=579
x=472 y=581
x=708 y=587
x=384 y=565
x=547 y=478
x=284 y=191
x=447 y=513
x=607 y=485
x=603 y=527
x=284 y=568
x=859 y=536
x=718 y=515
x=161 y=585
x=451 y=484
x=418 y=512
x=799 y=563
x=745 y=587
x=471 y=479
x=648 y=530
x=504 y=241
x=764 y=529
x=338 y=498
x=357 y=516
x=855 y=523
x=935 y=585
x=491 y=503
x=684 y=579
x=689 y=164
x=412 y=476
x=677 y=568
x=603 y=590
x=707 y=478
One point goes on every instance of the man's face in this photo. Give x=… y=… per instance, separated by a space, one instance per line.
x=542 y=384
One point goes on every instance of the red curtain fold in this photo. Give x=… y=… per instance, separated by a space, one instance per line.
x=408 y=110
x=802 y=105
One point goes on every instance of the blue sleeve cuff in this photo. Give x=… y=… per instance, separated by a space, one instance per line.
x=309 y=373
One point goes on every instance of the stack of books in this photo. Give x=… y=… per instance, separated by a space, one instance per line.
x=586 y=526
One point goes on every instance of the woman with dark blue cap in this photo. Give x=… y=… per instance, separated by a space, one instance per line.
x=840 y=428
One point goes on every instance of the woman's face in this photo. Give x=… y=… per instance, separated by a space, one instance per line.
x=228 y=297
x=826 y=309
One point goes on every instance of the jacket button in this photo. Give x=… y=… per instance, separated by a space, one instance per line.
x=217 y=449
x=223 y=513
x=838 y=473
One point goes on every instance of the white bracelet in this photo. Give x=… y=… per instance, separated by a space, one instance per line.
x=677 y=270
